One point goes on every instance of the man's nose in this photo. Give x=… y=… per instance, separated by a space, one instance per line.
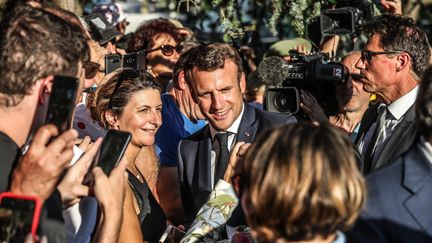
x=360 y=64
x=217 y=101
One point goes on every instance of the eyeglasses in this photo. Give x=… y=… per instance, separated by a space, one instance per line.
x=126 y=74
x=167 y=50
x=91 y=69
x=367 y=55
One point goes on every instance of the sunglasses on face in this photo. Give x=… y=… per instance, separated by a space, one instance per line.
x=126 y=74
x=367 y=55
x=167 y=50
x=91 y=69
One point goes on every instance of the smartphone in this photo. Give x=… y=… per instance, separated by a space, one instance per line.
x=19 y=216
x=110 y=153
x=134 y=60
x=112 y=149
x=172 y=234
x=112 y=62
x=62 y=102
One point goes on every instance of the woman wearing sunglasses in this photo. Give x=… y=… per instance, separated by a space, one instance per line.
x=131 y=102
x=160 y=39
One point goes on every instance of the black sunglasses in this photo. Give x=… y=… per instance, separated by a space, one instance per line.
x=126 y=74
x=367 y=55
x=167 y=50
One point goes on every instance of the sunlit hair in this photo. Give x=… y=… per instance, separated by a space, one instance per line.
x=209 y=57
x=400 y=33
x=33 y=45
x=99 y=103
x=299 y=182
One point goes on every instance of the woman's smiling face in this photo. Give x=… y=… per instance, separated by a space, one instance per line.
x=142 y=116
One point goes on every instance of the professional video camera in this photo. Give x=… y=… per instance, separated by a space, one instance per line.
x=347 y=18
x=304 y=72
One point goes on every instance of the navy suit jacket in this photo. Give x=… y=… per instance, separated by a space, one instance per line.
x=399 y=203
x=195 y=154
x=400 y=141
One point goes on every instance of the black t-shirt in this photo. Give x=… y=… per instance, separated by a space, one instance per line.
x=9 y=155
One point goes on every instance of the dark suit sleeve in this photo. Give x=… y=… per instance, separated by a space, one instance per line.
x=186 y=194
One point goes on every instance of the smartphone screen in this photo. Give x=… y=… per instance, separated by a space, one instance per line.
x=112 y=149
x=18 y=218
x=112 y=62
x=62 y=102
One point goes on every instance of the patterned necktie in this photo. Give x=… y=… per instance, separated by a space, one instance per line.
x=222 y=162
x=378 y=137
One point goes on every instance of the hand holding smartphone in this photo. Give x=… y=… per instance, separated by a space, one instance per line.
x=113 y=147
x=19 y=216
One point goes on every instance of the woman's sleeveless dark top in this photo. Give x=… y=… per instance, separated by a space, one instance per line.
x=151 y=216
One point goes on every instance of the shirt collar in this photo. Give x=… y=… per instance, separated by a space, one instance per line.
x=400 y=106
x=233 y=128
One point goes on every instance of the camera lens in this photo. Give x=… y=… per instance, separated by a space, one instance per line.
x=283 y=102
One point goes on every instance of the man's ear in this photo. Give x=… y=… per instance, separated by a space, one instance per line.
x=242 y=83
x=45 y=89
x=182 y=81
x=112 y=120
x=403 y=61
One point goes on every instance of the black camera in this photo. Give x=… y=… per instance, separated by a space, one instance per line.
x=304 y=72
x=347 y=18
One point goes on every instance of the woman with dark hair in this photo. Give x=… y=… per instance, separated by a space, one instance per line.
x=160 y=39
x=131 y=102
x=300 y=182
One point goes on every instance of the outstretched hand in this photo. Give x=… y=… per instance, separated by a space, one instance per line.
x=392 y=6
x=38 y=170
x=310 y=105
x=236 y=155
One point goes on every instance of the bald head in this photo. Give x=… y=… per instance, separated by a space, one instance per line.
x=351 y=96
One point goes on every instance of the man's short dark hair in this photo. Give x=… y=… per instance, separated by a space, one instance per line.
x=209 y=57
x=400 y=33
x=35 y=44
x=424 y=105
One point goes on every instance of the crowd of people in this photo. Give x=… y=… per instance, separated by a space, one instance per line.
x=205 y=159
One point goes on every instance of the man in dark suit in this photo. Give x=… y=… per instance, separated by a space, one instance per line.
x=214 y=73
x=399 y=196
x=395 y=56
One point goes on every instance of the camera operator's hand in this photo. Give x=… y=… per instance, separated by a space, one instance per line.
x=71 y=188
x=392 y=6
x=310 y=105
x=38 y=170
x=110 y=193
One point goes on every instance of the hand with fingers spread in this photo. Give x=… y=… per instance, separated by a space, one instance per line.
x=38 y=170
x=71 y=188
x=236 y=156
x=310 y=105
x=110 y=193
x=392 y=6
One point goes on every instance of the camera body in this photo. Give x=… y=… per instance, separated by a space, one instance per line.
x=347 y=18
x=304 y=72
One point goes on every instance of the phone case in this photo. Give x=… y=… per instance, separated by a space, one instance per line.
x=36 y=211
